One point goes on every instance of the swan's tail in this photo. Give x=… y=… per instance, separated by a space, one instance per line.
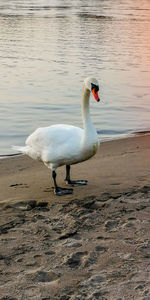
x=24 y=150
x=27 y=150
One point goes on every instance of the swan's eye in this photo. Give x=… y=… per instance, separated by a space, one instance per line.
x=94 y=86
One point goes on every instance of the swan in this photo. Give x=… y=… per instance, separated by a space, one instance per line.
x=61 y=144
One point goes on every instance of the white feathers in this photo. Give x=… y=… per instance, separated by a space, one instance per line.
x=62 y=144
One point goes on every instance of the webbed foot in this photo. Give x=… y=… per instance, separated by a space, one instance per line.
x=62 y=191
x=76 y=182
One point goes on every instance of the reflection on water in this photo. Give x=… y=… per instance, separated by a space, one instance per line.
x=47 y=48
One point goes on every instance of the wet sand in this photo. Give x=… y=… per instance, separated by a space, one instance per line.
x=94 y=244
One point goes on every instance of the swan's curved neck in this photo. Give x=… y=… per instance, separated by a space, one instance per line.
x=85 y=107
x=88 y=127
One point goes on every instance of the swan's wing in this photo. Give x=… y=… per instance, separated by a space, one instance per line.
x=56 y=143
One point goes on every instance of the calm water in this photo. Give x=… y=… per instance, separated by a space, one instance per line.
x=47 y=48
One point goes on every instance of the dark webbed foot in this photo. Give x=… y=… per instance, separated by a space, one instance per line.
x=76 y=182
x=62 y=191
x=73 y=182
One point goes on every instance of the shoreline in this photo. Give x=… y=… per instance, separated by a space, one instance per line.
x=119 y=137
x=109 y=170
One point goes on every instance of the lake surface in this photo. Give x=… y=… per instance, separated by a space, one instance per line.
x=47 y=48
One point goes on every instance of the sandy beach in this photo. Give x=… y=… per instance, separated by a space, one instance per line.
x=94 y=244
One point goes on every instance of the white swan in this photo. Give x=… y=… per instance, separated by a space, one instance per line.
x=60 y=144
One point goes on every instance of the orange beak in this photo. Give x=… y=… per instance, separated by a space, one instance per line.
x=95 y=94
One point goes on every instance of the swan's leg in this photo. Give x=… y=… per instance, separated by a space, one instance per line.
x=58 y=190
x=73 y=182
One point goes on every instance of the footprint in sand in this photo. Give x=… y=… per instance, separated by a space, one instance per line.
x=42 y=276
x=75 y=260
x=20 y=185
x=111 y=225
x=101 y=249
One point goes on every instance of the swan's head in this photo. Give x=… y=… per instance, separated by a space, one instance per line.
x=92 y=85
